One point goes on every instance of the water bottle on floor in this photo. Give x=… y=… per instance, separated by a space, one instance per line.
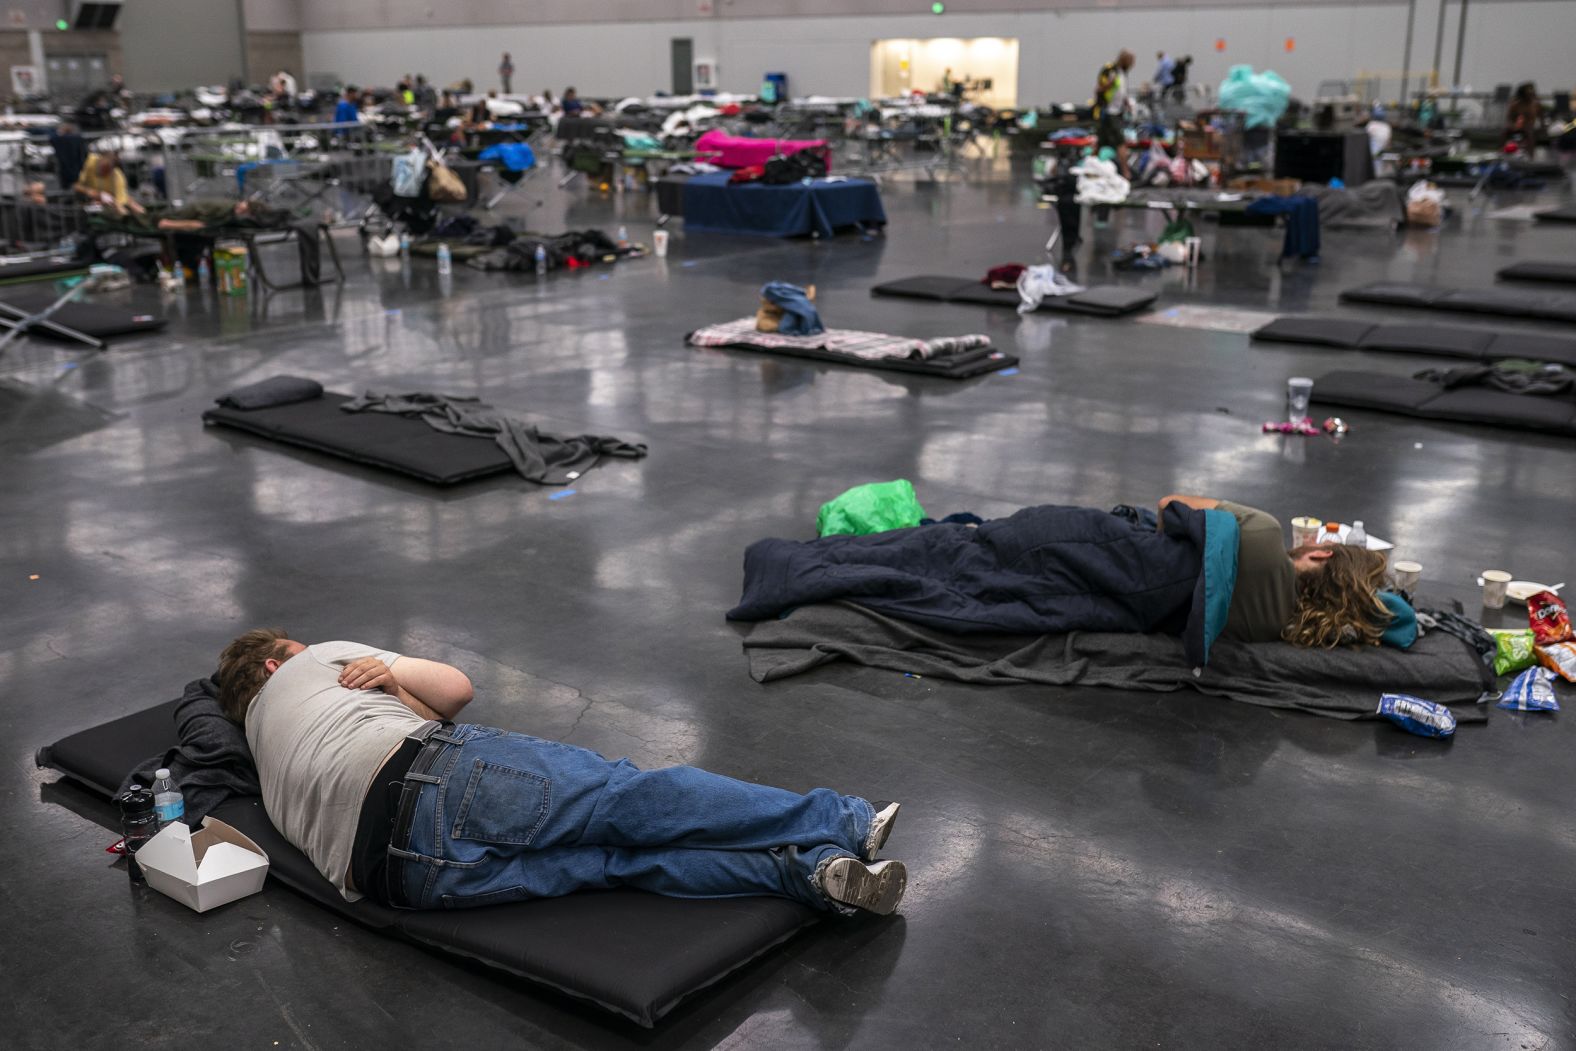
x=404 y=244
x=204 y=275
x=623 y=236
x=541 y=260
x=445 y=260
x=168 y=805
x=137 y=823
x=1357 y=536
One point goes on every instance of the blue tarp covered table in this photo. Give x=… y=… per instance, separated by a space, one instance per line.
x=821 y=206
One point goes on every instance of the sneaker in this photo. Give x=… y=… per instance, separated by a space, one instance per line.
x=880 y=827
x=876 y=887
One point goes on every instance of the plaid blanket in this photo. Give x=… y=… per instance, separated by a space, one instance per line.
x=868 y=346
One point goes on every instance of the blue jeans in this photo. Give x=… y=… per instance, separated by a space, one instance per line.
x=510 y=817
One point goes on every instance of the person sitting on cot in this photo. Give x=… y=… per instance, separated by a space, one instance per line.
x=363 y=770
x=102 y=182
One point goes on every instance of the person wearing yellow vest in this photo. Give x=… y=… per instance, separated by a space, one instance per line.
x=1111 y=103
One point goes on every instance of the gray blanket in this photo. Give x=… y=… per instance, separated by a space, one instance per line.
x=1375 y=204
x=550 y=459
x=1343 y=684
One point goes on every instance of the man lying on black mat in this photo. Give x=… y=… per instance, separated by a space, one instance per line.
x=362 y=770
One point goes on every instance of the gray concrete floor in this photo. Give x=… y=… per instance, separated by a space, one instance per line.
x=1089 y=869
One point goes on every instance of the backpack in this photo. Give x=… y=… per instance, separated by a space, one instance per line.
x=808 y=163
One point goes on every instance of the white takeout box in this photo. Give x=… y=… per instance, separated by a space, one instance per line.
x=204 y=869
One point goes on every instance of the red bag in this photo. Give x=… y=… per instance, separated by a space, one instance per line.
x=1550 y=622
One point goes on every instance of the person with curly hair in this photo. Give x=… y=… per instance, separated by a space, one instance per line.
x=1323 y=596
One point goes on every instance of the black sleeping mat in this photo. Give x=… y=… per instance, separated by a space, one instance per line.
x=1557 y=215
x=1446 y=341
x=1430 y=401
x=377 y=439
x=629 y=952
x=31 y=269
x=1499 y=302
x=93 y=319
x=1532 y=270
x=1100 y=301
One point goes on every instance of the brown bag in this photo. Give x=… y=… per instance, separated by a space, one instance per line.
x=769 y=316
x=443 y=184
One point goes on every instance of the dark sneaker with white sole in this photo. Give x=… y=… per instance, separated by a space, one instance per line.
x=875 y=887
x=880 y=828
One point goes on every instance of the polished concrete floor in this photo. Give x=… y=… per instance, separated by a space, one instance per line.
x=1089 y=869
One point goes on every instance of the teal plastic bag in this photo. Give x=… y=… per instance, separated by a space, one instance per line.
x=872 y=508
x=1262 y=96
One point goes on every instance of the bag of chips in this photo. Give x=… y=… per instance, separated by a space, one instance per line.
x=1415 y=715
x=1560 y=658
x=1513 y=652
x=1533 y=691
x=1550 y=622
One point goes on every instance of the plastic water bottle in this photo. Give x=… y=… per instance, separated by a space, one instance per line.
x=137 y=823
x=404 y=245
x=1357 y=537
x=168 y=805
x=623 y=235
x=204 y=275
x=541 y=260
x=445 y=260
x=1331 y=534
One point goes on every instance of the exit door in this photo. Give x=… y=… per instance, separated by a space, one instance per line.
x=73 y=76
x=683 y=65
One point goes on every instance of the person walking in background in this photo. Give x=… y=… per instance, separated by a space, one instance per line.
x=1165 y=72
x=506 y=73
x=1179 y=77
x=1111 y=102
x=1524 y=118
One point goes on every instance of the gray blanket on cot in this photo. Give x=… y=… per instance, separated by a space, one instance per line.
x=1341 y=683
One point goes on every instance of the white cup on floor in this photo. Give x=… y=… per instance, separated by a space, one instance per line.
x=659 y=241
x=1494 y=583
x=1407 y=575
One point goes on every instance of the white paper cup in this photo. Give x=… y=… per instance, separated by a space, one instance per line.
x=659 y=240
x=1305 y=531
x=1494 y=583
x=1407 y=575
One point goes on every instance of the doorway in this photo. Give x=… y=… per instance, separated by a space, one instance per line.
x=987 y=66
x=683 y=65
x=73 y=76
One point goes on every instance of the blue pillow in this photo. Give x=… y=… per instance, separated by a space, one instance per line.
x=1402 y=631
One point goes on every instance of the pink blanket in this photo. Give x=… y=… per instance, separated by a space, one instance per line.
x=734 y=151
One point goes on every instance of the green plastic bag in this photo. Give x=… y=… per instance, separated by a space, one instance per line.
x=1178 y=229
x=872 y=508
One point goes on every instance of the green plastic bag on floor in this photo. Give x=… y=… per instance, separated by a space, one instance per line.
x=872 y=508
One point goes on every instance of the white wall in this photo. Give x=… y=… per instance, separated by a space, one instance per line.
x=173 y=44
x=1060 y=50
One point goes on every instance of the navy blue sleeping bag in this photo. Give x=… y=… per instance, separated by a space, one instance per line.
x=1043 y=570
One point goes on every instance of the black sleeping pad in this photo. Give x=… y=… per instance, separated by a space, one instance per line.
x=1100 y=301
x=1446 y=341
x=1426 y=400
x=1502 y=302
x=377 y=439
x=1315 y=331
x=1553 y=273
x=1557 y=215
x=632 y=953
